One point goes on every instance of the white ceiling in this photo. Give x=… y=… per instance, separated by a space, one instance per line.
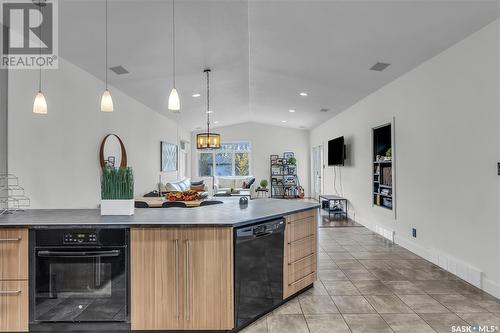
x=263 y=53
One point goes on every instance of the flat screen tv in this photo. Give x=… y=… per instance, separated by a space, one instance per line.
x=336 y=151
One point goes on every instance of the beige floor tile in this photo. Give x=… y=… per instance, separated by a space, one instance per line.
x=375 y=287
x=317 y=289
x=260 y=326
x=388 y=304
x=287 y=323
x=406 y=323
x=423 y=304
x=326 y=323
x=367 y=323
x=458 y=303
x=317 y=305
x=436 y=286
x=331 y=275
x=348 y=264
x=290 y=307
x=353 y=304
x=403 y=287
x=340 y=288
x=443 y=322
x=340 y=255
x=481 y=318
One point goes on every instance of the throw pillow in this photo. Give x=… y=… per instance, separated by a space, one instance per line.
x=250 y=182
x=162 y=186
x=198 y=188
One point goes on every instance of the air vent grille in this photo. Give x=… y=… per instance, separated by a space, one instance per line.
x=119 y=70
x=324 y=110
x=379 y=66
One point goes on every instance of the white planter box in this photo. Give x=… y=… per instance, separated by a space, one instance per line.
x=117 y=207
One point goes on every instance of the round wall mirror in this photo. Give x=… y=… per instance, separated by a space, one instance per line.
x=112 y=152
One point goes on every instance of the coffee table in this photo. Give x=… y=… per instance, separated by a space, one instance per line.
x=242 y=193
x=339 y=204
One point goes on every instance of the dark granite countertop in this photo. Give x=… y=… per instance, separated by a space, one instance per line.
x=228 y=214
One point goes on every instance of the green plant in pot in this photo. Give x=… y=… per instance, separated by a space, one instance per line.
x=117 y=191
x=292 y=160
x=388 y=153
x=264 y=183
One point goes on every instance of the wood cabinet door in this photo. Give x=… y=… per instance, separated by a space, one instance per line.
x=156 y=279
x=13 y=306
x=13 y=254
x=208 y=259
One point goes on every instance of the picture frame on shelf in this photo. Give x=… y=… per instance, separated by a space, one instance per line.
x=275 y=170
x=291 y=169
x=287 y=155
x=274 y=158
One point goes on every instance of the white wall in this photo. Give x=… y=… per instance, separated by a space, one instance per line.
x=56 y=155
x=265 y=140
x=447 y=145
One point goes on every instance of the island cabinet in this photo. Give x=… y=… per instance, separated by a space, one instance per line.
x=14 y=280
x=300 y=258
x=182 y=278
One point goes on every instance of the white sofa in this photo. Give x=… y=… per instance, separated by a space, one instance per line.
x=235 y=183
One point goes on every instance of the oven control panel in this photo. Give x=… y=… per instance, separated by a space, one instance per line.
x=80 y=238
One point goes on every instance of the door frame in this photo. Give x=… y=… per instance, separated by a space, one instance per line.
x=319 y=148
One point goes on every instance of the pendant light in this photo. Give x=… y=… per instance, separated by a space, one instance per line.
x=106 y=100
x=174 y=104
x=40 y=104
x=208 y=140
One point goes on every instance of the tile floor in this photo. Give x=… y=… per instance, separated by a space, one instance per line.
x=369 y=285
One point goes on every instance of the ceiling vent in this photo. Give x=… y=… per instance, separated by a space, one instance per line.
x=119 y=70
x=324 y=110
x=379 y=66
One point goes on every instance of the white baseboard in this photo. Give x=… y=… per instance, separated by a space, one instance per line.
x=447 y=262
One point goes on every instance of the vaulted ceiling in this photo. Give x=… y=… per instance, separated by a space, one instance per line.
x=263 y=53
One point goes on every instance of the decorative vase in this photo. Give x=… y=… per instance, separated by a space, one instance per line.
x=117 y=207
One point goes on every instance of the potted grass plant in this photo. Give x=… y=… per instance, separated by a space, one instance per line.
x=117 y=191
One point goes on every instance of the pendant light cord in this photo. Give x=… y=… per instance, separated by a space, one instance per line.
x=173 y=38
x=208 y=102
x=106 y=37
x=40 y=49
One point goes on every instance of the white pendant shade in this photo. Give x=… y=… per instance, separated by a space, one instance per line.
x=106 y=102
x=40 y=104
x=174 y=104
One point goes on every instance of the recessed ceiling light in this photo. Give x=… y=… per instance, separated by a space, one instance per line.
x=216 y=122
x=210 y=111
x=283 y=121
x=291 y=110
x=304 y=94
x=196 y=95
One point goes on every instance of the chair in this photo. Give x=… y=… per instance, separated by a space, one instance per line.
x=170 y=204
x=141 y=204
x=210 y=202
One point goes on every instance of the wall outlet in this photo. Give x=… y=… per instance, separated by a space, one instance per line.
x=414 y=232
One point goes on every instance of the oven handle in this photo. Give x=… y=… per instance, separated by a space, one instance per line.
x=84 y=254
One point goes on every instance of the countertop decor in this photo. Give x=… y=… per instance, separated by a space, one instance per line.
x=117 y=191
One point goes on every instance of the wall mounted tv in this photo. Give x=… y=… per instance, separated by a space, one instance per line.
x=336 y=151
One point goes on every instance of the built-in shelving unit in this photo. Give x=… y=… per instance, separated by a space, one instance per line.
x=382 y=167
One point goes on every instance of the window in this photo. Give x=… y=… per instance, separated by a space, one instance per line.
x=232 y=159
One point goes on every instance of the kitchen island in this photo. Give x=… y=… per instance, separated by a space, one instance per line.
x=185 y=268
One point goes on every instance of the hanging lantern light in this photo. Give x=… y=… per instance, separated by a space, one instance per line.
x=208 y=140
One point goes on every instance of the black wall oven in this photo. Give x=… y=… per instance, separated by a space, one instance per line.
x=80 y=275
